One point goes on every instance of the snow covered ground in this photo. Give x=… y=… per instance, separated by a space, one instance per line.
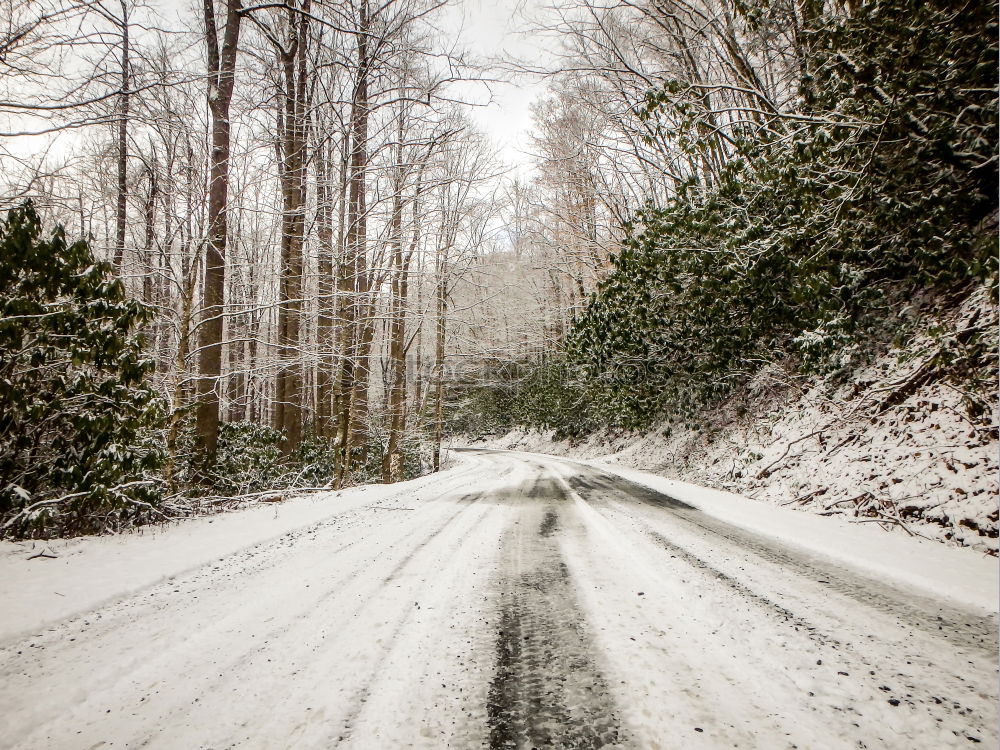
x=888 y=446
x=514 y=600
x=44 y=582
x=920 y=466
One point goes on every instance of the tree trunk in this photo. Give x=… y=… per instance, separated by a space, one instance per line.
x=343 y=297
x=439 y=342
x=353 y=409
x=180 y=394
x=147 y=249
x=325 y=320
x=221 y=79
x=293 y=186
x=393 y=462
x=123 y=115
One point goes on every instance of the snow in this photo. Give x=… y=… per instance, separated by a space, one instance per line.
x=89 y=572
x=704 y=669
x=920 y=460
x=511 y=597
x=934 y=480
x=963 y=575
x=339 y=628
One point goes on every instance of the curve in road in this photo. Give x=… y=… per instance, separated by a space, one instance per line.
x=518 y=602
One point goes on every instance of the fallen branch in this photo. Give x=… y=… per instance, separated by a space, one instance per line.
x=24 y=512
x=147 y=506
x=250 y=495
x=888 y=521
x=857 y=500
x=901 y=389
x=765 y=472
x=801 y=499
x=849 y=439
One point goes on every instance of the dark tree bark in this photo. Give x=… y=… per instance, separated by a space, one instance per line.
x=392 y=466
x=123 y=115
x=441 y=329
x=221 y=80
x=326 y=314
x=293 y=59
x=354 y=282
x=147 y=247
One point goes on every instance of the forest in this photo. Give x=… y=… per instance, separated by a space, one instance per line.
x=249 y=248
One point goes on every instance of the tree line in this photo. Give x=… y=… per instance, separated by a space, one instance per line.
x=334 y=272
x=793 y=184
x=289 y=189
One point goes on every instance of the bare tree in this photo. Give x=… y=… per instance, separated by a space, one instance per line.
x=291 y=46
x=221 y=80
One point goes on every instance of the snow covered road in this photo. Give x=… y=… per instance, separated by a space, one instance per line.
x=513 y=601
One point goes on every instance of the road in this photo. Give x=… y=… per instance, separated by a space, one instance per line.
x=513 y=602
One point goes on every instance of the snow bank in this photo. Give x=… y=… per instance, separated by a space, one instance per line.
x=887 y=446
x=88 y=572
x=963 y=575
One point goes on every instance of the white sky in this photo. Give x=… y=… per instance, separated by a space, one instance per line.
x=495 y=29
x=488 y=30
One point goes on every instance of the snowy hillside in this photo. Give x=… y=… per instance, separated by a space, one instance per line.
x=884 y=447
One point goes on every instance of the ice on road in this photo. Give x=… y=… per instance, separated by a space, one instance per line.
x=514 y=601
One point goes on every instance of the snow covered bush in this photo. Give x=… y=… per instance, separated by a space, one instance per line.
x=484 y=410
x=544 y=395
x=248 y=459
x=551 y=397
x=315 y=462
x=482 y=402
x=366 y=467
x=77 y=420
x=820 y=231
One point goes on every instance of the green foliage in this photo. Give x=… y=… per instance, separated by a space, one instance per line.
x=77 y=421
x=551 y=397
x=366 y=468
x=544 y=396
x=249 y=459
x=315 y=462
x=812 y=238
x=485 y=405
x=485 y=410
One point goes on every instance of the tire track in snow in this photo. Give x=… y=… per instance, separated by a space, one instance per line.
x=337 y=617
x=933 y=682
x=210 y=655
x=740 y=588
x=547 y=690
x=361 y=697
x=923 y=613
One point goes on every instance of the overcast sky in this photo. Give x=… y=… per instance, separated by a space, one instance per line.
x=498 y=29
x=487 y=29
